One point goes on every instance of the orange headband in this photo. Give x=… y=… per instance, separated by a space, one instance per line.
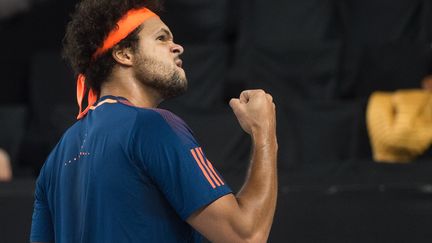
x=126 y=25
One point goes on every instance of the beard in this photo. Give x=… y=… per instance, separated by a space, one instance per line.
x=164 y=79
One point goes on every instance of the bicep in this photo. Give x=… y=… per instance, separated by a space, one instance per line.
x=221 y=221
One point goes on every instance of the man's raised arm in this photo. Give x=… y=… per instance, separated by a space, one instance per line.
x=248 y=216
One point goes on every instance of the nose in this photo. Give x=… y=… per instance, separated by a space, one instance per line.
x=178 y=49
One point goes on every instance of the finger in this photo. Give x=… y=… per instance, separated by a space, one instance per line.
x=234 y=102
x=269 y=97
x=236 y=106
x=244 y=96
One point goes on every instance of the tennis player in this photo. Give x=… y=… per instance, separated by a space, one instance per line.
x=127 y=171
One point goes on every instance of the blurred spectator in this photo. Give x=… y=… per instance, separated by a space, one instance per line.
x=5 y=166
x=400 y=123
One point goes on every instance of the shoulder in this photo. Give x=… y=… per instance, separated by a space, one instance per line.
x=160 y=123
x=161 y=117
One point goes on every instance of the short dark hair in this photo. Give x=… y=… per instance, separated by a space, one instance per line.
x=91 y=23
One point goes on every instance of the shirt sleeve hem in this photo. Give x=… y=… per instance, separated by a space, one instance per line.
x=186 y=214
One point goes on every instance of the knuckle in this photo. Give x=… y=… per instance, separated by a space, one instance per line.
x=257 y=91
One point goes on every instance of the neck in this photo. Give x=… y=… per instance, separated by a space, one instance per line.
x=129 y=87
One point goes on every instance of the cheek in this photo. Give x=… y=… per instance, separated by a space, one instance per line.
x=161 y=52
x=155 y=55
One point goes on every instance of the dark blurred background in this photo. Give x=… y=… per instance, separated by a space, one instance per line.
x=321 y=60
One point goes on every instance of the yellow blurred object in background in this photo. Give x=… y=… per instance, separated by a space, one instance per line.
x=399 y=124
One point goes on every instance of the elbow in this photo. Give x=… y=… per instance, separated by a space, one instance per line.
x=253 y=236
x=256 y=238
x=250 y=231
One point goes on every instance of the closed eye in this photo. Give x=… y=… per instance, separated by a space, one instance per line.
x=164 y=35
x=161 y=38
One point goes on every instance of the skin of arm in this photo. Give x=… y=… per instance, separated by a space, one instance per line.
x=248 y=216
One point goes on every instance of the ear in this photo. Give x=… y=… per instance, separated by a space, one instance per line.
x=123 y=56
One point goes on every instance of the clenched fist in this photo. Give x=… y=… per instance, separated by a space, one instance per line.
x=256 y=113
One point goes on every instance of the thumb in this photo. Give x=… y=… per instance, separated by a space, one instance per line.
x=235 y=105
x=239 y=110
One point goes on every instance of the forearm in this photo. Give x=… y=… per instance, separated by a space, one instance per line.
x=248 y=216
x=257 y=198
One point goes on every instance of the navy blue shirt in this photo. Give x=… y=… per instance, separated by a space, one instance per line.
x=124 y=174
